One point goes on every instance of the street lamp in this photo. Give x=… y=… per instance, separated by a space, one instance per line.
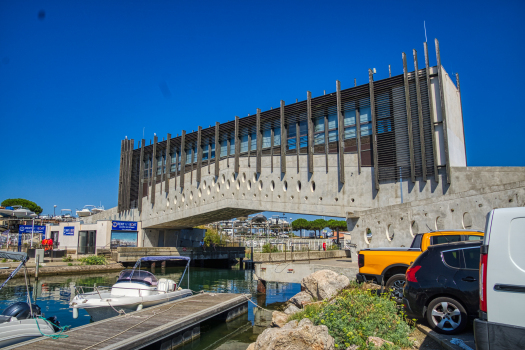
x=54 y=207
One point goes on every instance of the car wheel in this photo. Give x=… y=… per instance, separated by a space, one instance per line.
x=395 y=285
x=446 y=316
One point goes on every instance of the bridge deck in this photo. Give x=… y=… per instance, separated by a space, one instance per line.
x=141 y=328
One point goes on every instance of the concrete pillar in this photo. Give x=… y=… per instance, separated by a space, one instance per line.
x=261 y=286
x=199 y=154
x=168 y=164
x=259 y=141
x=163 y=264
x=358 y=136
x=310 y=132
x=284 y=137
x=182 y=158
x=237 y=145
x=176 y=168
x=341 y=133
x=409 y=120
x=141 y=175
x=461 y=109
x=432 y=118
x=217 y=149
x=374 y=127
x=443 y=109
x=420 y=116
x=154 y=175
x=120 y=181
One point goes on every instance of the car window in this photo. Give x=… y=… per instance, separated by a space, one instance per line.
x=474 y=238
x=471 y=258
x=416 y=243
x=445 y=239
x=451 y=258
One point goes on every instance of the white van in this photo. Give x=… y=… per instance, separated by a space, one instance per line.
x=501 y=322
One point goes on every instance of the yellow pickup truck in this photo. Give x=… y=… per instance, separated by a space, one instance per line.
x=388 y=265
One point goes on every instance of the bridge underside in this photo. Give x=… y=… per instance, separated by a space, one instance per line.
x=205 y=218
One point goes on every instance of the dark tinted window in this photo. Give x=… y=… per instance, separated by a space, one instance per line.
x=472 y=258
x=452 y=258
x=416 y=243
x=474 y=238
x=445 y=239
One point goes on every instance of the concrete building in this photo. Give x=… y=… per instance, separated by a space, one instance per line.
x=389 y=156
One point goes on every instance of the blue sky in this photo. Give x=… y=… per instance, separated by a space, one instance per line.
x=81 y=76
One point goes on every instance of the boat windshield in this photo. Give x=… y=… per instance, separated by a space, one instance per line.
x=138 y=276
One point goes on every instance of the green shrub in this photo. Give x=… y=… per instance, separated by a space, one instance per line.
x=4 y=260
x=268 y=248
x=93 y=260
x=67 y=258
x=355 y=314
x=69 y=264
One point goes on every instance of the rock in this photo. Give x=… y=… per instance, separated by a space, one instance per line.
x=324 y=284
x=251 y=346
x=351 y=347
x=279 y=319
x=372 y=286
x=292 y=309
x=378 y=342
x=296 y=336
x=300 y=299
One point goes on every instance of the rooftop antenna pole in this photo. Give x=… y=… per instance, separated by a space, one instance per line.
x=424 y=26
x=143 y=131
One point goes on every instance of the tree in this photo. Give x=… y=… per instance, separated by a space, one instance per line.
x=299 y=224
x=23 y=202
x=337 y=225
x=318 y=225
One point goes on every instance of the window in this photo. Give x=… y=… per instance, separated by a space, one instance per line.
x=277 y=137
x=213 y=150
x=319 y=138
x=205 y=152
x=224 y=148
x=444 y=239
x=474 y=238
x=291 y=140
x=267 y=138
x=451 y=258
x=232 y=144
x=303 y=135
x=416 y=243
x=253 y=145
x=244 y=143
x=472 y=258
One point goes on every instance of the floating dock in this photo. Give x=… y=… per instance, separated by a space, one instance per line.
x=170 y=325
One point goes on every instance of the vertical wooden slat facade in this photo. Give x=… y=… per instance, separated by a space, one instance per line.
x=443 y=109
x=154 y=175
x=340 y=131
x=432 y=112
x=420 y=116
x=284 y=137
x=168 y=165
x=409 y=121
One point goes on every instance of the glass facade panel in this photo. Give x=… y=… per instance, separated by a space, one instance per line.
x=277 y=136
x=366 y=129
x=349 y=118
x=319 y=139
x=253 y=146
x=205 y=152
x=319 y=124
x=350 y=133
x=332 y=121
x=244 y=143
x=365 y=115
x=332 y=136
x=224 y=148
x=213 y=151
x=267 y=138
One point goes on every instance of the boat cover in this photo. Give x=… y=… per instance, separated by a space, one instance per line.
x=22 y=257
x=161 y=258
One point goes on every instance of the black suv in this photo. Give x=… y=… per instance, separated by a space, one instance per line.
x=442 y=286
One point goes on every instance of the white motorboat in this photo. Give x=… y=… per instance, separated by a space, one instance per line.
x=22 y=321
x=7 y=212
x=97 y=210
x=21 y=212
x=86 y=211
x=135 y=289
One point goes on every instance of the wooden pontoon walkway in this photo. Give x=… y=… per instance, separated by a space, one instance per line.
x=141 y=328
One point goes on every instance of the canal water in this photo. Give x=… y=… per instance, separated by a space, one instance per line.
x=52 y=294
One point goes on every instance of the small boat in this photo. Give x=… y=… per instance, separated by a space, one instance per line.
x=85 y=211
x=97 y=210
x=7 y=212
x=22 y=321
x=134 y=290
x=21 y=212
x=67 y=216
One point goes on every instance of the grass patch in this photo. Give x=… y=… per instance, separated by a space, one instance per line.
x=268 y=248
x=67 y=258
x=357 y=313
x=93 y=260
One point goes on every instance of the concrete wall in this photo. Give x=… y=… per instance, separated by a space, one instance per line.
x=173 y=238
x=299 y=256
x=455 y=135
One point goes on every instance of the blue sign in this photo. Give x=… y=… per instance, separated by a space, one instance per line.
x=69 y=230
x=19 y=241
x=29 y=229
x=124 y=226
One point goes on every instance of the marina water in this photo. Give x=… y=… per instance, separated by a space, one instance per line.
x=52 y=294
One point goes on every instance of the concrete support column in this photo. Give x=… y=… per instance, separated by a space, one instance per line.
x=199 y=154
x=259 y=141
x=121 y=176
x=237 y=145
x=182 y=158
x=284 y=138
x=374 y=127
x=217 y=149
x=310 y=132
x=358 y=137
x=141 y=175
x=409 y=120
x=168 y=165
x=420 y=115
x=432 y=113
x=461 y=109
x=340 y=132
x=154 y=175
x=443 y=109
